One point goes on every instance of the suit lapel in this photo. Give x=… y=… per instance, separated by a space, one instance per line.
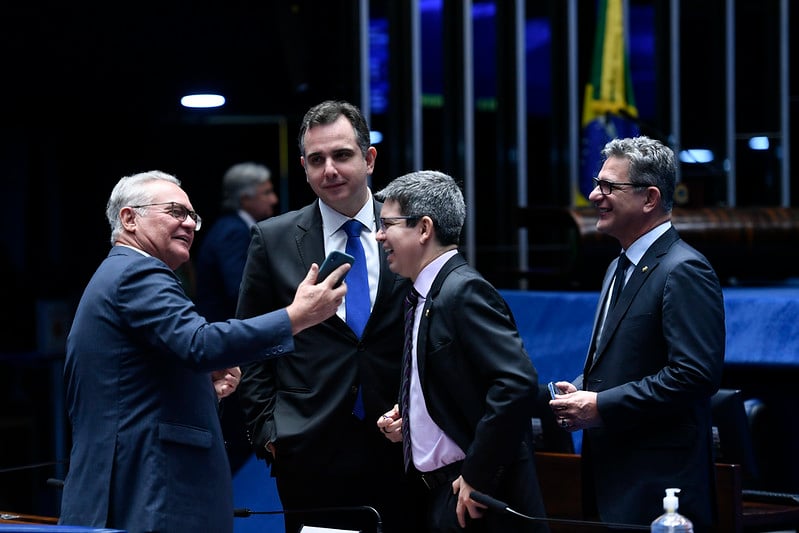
x=648 y=263
x=430 y=311
x=309 y=237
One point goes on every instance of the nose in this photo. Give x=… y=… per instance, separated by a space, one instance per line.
x=190 y=222
x=595 y=195
x=330 y=167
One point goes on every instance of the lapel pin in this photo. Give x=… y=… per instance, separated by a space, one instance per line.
x=427 y=313
x=645 y=269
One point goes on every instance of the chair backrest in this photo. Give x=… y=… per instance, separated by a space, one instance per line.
x=732 y=436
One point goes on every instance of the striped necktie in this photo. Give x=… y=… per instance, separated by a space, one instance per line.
x=407 y=364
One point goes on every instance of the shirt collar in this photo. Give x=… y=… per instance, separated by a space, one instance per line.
x=428 y=274
x=637 y=249
x=246 y=217
x=332 y=220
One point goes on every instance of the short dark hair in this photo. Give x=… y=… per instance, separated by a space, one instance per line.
x=328 y=112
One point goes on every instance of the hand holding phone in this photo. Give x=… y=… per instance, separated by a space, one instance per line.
x=333 y=260
x=553 y=390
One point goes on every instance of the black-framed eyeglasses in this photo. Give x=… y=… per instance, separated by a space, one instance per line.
x=179 y=211
x=386 y=222
x=607 y=187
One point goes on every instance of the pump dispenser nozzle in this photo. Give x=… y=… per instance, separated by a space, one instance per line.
x=671 y=521
x=671 y=503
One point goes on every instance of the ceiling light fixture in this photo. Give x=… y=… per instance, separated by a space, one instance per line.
x=202 y=100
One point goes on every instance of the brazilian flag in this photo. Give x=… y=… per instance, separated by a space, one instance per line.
x=609 y=110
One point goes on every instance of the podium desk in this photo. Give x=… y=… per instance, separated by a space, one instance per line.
x=11 y=522
x=559 y=476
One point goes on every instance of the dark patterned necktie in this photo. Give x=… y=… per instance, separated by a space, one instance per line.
x=357 y=302
x=618 y=280
x=407 y=364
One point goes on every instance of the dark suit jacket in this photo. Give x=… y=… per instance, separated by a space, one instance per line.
x=658 y=363
x=479 y=383
x=302 y=405
x=220 y=264
x=147 y=449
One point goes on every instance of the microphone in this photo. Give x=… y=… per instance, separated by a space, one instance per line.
x=502 y=507
x=31 y=467
x=490 y=502
x=55 y=483
x=243 y=512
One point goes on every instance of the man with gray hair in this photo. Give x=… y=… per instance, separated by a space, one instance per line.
x=248 y=197
x=144 y=371
x=468 y=386
x=656 y=356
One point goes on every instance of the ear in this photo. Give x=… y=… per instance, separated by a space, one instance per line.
x=371 y=155
x=127 y=215
x=652 y=200
x=302 y=162
x=426 y=229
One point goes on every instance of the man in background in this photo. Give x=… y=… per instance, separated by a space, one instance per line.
x=248 y=196
x=313 y=419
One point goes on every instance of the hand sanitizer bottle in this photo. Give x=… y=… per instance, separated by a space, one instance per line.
x=671 y=521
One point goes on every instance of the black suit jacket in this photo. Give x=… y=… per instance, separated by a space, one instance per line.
x=658 y=363
x=479 y=383
x=302 y=403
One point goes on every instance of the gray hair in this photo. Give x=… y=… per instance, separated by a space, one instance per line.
x=430 y=193
x=328 y=112
x=130 y=191
x=241 y=180
x=651 y=163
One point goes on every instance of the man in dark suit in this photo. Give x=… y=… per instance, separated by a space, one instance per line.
x=144 y=370
x=303 y=414
x=469 y=389
x=656 y=356
x=248 y=196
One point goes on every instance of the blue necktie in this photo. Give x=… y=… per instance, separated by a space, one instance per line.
x=357 y=302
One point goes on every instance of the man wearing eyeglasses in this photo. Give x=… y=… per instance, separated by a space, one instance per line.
x=468 y=386
x=144 y=372
x=656 y=355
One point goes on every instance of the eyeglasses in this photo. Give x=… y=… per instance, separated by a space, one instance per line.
x=385 y=221
x=179 y=211
x=607 y=187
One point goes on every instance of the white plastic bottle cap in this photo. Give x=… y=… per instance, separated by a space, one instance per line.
x=671 y=503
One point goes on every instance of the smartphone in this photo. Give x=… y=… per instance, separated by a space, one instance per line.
x=553 y=390
x=333 y=260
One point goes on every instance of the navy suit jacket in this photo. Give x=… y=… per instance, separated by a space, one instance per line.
x=147 y=450
x=220 y=264
x=479 y=384
x=657 y=364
